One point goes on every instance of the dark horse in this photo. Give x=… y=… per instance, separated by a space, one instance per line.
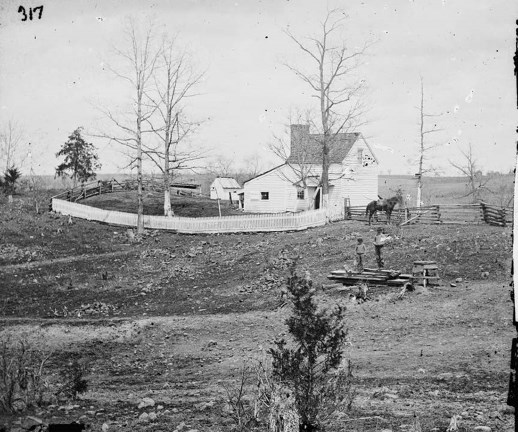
x=386 y=205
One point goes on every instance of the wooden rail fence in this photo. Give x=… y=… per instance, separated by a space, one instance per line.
x=494 y=215
x=439 y=214
x=225 y=224
x=109 y=186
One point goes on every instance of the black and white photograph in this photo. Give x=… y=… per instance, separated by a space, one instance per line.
x=258 y=215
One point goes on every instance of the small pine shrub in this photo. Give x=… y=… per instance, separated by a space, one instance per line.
x=309 y=363
x=73 y=379
x=11 y=177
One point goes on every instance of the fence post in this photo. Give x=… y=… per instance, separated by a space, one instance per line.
x=347 y=211
x=484 y=213
x=503 y=216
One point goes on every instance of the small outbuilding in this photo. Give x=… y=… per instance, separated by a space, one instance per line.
x=226 y=189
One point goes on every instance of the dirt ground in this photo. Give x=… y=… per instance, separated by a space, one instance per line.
x=173 y=317
x=185 y=206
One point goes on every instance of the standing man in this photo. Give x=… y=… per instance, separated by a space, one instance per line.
x=360 y=252
x=379 y=241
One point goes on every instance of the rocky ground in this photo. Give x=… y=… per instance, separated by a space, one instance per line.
x=166 y=323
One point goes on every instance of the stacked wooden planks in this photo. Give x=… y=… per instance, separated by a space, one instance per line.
x=371 y=276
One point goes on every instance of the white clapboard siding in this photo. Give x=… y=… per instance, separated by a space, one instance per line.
x=362 y=188
x=226 y=224
x=278 y=187
x=279 y=183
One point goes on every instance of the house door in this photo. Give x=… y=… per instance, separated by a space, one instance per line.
x=317 y=199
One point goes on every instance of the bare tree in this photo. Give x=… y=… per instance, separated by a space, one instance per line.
x=140 y=60
x=299 y=162
x=475 y=180
x=11 y=143
x=293 y=149
x=501 y=187
x=221 y=166
x=424 y=148
x=174 y=84
x=252 y=166
x=333 y=85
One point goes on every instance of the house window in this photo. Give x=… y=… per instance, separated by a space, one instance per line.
x=265 y=195
x=360 y=155
x=300 y=193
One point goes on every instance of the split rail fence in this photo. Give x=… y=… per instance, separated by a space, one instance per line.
x=440 y=214
x=108 y=186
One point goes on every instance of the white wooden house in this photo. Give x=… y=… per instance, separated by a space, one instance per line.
x=225 y=188
x=296 y=185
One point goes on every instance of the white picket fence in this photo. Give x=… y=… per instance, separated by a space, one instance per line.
x=225 y=224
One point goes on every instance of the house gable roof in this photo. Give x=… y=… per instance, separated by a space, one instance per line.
x=306 y=148
x=312 y=152
x=263 y=173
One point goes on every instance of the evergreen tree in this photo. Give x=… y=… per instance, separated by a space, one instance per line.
x=11 y=176
x=81 y=159
x=306 y=365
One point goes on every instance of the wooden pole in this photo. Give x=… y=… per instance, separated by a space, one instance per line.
x=414 y=218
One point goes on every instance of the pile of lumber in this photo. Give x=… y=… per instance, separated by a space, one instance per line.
x=371 y=276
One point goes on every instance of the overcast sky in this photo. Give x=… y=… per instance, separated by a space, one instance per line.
x=53 y=73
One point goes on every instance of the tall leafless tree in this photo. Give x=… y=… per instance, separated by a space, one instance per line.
x=333 y=84
x=12 y=147
x=140 y=61
x=281 y=147
x=175 y=81
x=252 y=166
x=300 y=166
x=424 y=148
x=475 y=180
x=222 y=166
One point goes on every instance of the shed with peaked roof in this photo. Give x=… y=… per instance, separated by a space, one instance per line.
x=225 y=188
x=296 y=184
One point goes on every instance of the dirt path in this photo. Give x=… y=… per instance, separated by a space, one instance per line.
x=65 y=260
x=442 y=352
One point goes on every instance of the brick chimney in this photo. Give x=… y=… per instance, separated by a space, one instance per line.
x=299 y=135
